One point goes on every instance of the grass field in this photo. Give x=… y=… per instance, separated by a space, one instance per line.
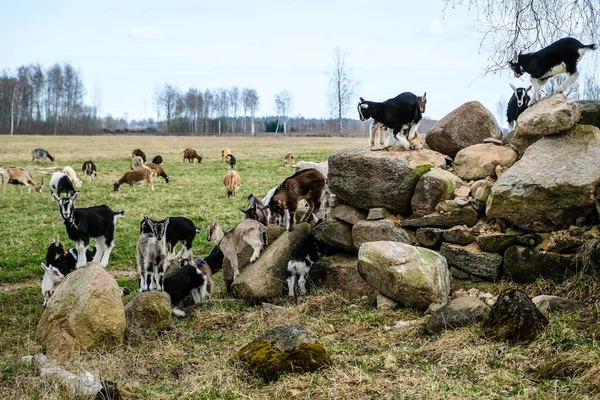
x=372 y=359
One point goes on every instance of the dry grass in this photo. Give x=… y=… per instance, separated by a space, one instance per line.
x=371 y=358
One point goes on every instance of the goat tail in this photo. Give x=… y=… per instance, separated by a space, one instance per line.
x=178 y=312
x=198 y=231
x=591 y=47
x=118 y=214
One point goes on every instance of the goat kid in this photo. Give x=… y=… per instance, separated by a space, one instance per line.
x=288 y=159
x=301 y=260
x=19 y=176
x=225 y=151
x=180 y=229
x=70 y=172
x=92 y=222
x=191 y=155
x=65 y=260
x=322 y=167
x=50 y=282
x=232 y=182
x=231 y=243
x=41 y=154
x=518 y=103
x=151 y=255
x=231 y=161
x=189 y=279
x=256 y=210
x=559 y=57
x=61 y=183
x=89 y=169
x=135 y=176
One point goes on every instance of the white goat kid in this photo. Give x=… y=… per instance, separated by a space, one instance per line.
x=51 y=281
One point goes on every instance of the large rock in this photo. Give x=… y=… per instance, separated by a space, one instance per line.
x=381 y=230
x=527 y=264
x=335 y=233
x=549 y=116
x=86 y=312
x=514 y=318
x=413 y=276
x=369 y=179
x=552 y=185
x=463 y=216
x=435 y=186
x=462 y=311
x=282 y=350
x=467 y=125
x=590 y=112
x=265 y=279
x=340 y=274
x=480 y=160
x=472 y=260
x=147 y=314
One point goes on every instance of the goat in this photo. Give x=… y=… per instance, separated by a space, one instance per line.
x=322 y=167
x=518 y=103
x=231 y=161
x=137 y=162
x=158 y=159
x=158 y=171
x=151 y=255
x=19 y=176
x=89 y=169
x=136 y=176
x=232 y=182
x=82 y=223
x=225 y=151
x=189 y=279
x=378 y=127
x=302 y=258
x=41 y=154
x=402 y=113
x=231 y=242
x=214 y=260
x=65 y=260
x=303 y=185
x=61 y=183
x=190 y=155
x=256 y=210
x=180 y=229
x=288 y=159
x=559 y=57
x=70 y=172
x=138 y=153
x=50 y=282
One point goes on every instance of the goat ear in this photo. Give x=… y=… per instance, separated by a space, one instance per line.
x=424 y=96
x=528 y=89
x=244 y=211
x=361 y=99
x=75 y=197
x=44 y=266
x=513 y=88
x=56 y=198
x=515 y=57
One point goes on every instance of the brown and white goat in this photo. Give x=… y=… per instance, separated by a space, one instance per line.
x=225 y=151
x=306 y=185
x=232 y=182
x=135 y=176
x=158 y=171
x=288 y=159
x=190 y=155
x=137 y=162
x=138 y=153
x=231 y=243
x=19 y=176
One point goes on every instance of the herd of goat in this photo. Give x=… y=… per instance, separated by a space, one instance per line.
x=155 y=248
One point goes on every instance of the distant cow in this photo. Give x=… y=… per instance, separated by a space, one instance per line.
x=41 y=154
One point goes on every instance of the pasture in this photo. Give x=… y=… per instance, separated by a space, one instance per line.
x=373 y=355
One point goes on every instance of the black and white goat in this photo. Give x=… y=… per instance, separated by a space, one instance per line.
x=402 y=113
x=96 y=222
x=560 y=57
x=41 y=154
x=518 y=103
x=51 y=281
x=179 y=229
x=256 y=210
x=189 y=279
x=89 y=169
x=302 y=258
x=65 y=260
x=61 y=183
x=151 y=255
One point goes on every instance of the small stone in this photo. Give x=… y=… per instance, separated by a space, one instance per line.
x=493 y=141
x=385 y=303
x=462 y=191
x=457 y=273
x=580 y=221
x=547 y=304
x=462 y=201
x=390 y=362
x=447 y=206
x=463 y=216
x=462 y=311
x=378 y=213
x=459 y=235
x=576 y=231
x=273 y=308
x=430 y=237
x=348 y=213
x=329 y=328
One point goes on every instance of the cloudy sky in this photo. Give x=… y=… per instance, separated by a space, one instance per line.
x=126 y=48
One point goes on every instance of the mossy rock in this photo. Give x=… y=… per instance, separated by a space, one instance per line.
x=282 y=350
x=563 y=366
x=147 y=314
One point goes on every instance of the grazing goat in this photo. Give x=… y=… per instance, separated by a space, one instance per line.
x=231 y=243
x=180 y=229
x=82 y=223
x=190 y=155
x=19 y=176
x=288 y=159
x=51 y=281
x=256 y=210
x=65 y=260
x=158 y=159
x=138 y=153
x=322 y=167
x=70 y=172
x=231 y=161
x=189 y=279
x=560 y=57
x=41 y=154
x=302 y=258
x=137 y=162
x=402 y=113
x=61 y=183
x=151 y=255
x=136 y=176
x=89 y=169
x=225 y=151
x=304 y=185
x=518 y=103
x=232 y=182
x=158 y=171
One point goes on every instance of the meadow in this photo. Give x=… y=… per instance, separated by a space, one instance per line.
x=374 y=356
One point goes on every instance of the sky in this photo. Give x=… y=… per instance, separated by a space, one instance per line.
x=125 y=49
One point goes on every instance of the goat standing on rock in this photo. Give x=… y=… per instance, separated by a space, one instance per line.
x=517 y=104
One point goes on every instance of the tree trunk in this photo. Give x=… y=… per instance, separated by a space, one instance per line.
x=590 y=112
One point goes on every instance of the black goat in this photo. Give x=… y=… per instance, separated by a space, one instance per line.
x=61 y=183
x=302 y=258
x=231 y=161
x=518 y=103
x=180 y=229
x=65 y=260
x=83 y=223
x=560 y=57
x=140 y=153
x=157 y=159
x=402 y=113
x=214 y=259
x=188 y=280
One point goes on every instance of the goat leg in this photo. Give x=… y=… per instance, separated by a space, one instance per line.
x=291 y=280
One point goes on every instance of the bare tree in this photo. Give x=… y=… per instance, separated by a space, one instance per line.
x=253 y=103
x=554 y=83
x=591 y=88
x=341 y=85
x=169 y=101
x=283 y=105
x=234 y=101
x=528 y=25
